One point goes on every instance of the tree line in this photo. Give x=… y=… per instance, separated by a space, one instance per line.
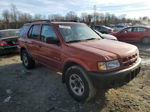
x=14 y=18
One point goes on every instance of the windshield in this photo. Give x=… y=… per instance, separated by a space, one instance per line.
x=77 y=32
x=8 y=33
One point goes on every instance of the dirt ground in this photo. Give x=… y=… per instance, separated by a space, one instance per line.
x=41 y=90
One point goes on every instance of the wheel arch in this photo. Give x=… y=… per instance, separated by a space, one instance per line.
x=21 y=49
x=69 y=64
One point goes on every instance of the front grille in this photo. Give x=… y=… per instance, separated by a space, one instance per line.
x=130 y=60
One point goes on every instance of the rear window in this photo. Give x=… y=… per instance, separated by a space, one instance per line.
x=9 y=33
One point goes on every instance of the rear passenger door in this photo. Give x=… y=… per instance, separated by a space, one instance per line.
x=50 y=52
x=138 y=33
x=32 y=42
x=126 y=34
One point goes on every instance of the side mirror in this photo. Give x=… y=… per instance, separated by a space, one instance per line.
x=52 y=40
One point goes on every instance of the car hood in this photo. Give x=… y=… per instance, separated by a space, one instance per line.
x=107 y=36
x=108 y=49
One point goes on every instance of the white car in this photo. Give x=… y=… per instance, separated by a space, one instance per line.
x=106 y=36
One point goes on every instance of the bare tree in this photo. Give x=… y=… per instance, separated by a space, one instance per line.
x=15 y=18
x=14 y=14
x=6 y=16
x=24 y=17
x=97 y=17
x=84 y=17
x=89 y=19
x=71 y=16
x=56 y=17
x=38 y=17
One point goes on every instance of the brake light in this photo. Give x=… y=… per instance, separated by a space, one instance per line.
x=3 y=43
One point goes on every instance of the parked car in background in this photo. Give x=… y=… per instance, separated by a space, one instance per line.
x=85 y=61
x=134 y=34
x=102 y=29
x=106 y=36
x=118 y=28
x=8 y=40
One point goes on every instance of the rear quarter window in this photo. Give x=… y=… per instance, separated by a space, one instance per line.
x=24 y=30
x=141 y=29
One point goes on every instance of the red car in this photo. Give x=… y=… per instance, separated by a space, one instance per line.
x=134 y=34
x=86 y=61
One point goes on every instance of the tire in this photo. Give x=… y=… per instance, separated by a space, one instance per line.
x=27 y=61
x=1 y=53
x=79 y=85
x=146 y=40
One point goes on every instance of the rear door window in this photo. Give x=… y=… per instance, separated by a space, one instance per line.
x=139 y=29
x=34 y=32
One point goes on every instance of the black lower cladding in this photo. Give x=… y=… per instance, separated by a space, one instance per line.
x=116 y=78
x=7 y=49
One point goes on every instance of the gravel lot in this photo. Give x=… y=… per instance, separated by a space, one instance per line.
x=41 y=90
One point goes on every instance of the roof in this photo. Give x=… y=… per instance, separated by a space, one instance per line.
x=141 y=26
x=48 y=22
x=66 y=23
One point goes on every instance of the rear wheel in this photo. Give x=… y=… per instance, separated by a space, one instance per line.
x=27 y=61
x=79 y=85
x=146 y=40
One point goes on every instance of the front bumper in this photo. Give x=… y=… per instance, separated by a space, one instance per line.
x=8 y=49
x=116 y=78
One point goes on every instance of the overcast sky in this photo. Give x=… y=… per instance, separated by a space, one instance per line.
x=132 y=8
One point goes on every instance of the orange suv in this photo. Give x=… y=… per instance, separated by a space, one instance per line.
x=86 y=61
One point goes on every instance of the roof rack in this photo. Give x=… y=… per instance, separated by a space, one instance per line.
x=40 y=21
x=69 y=20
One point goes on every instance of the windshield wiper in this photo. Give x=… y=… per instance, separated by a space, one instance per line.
x=93 y=39
x=72 y=41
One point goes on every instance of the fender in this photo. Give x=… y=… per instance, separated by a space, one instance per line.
x=77 y=61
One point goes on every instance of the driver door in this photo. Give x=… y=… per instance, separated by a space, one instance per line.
x=50 y=52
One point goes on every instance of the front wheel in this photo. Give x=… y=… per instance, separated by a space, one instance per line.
x=78 y=84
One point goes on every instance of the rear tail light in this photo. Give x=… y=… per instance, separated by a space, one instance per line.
x=3 y=43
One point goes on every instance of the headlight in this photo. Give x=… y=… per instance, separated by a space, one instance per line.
x=108 y=65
